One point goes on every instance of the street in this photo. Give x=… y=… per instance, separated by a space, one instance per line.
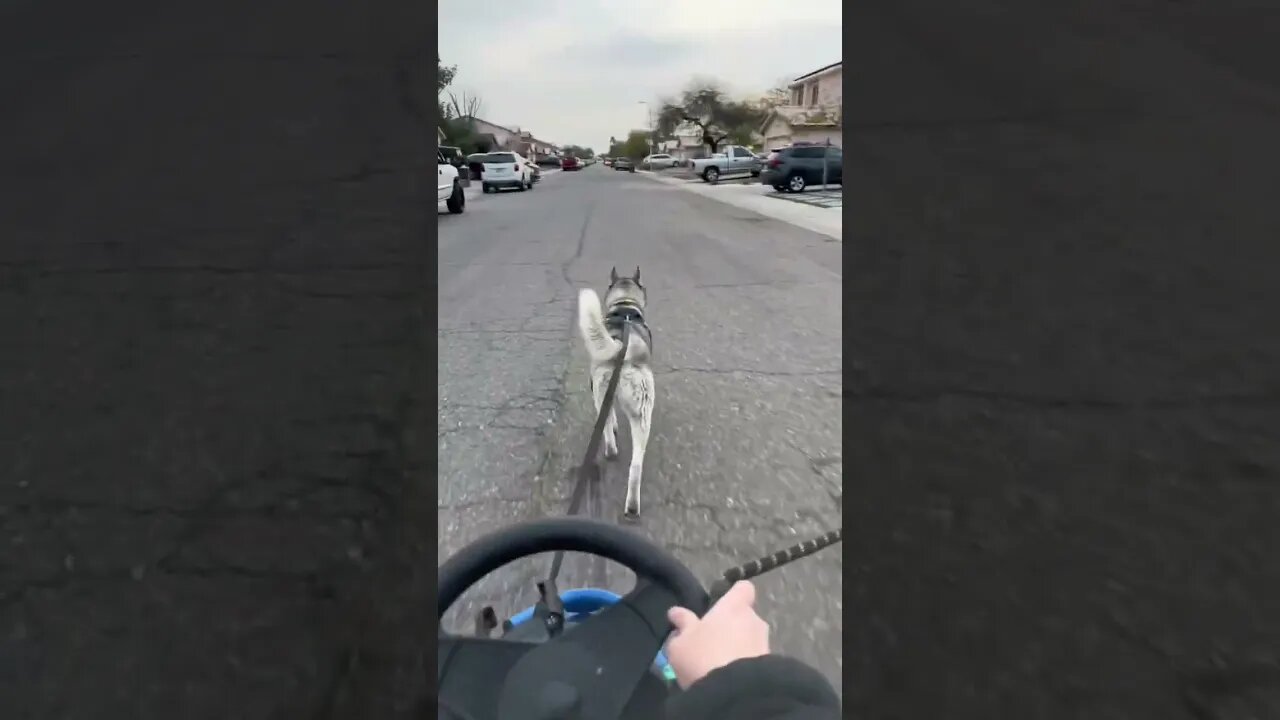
x=1064 y=465
x=745 y=454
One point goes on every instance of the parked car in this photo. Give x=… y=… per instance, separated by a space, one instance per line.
x=452 y=155
x=624 y=164
x=659 y=161
x=735 y=160
x=570 y=163
x=448 y=188
x=475 y=165
x=505 y=170
x=795 y=167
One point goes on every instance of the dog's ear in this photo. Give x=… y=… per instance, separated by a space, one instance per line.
x=637 y=277
x=613 y=275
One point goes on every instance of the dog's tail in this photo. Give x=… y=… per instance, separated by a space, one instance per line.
x=600 y=345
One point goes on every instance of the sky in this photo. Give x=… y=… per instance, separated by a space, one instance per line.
x=575 y=72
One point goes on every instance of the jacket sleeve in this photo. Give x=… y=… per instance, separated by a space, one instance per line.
x=771 y=687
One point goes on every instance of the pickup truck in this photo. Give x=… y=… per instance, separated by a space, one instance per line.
x=448 y=188
x=735 y=160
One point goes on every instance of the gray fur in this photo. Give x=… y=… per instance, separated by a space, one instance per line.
x=636 y=390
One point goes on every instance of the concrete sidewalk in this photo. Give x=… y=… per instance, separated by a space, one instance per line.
x=793 y=209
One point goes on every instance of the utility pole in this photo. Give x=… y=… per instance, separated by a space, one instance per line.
x=649 y=113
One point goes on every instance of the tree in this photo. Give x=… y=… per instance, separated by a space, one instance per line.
x=775 y=96
x=636 y=146
x=585 y=153
x=705 y=106
x=457 y=111
x=444 y=74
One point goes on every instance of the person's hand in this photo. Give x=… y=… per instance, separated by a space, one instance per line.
x=731 y=630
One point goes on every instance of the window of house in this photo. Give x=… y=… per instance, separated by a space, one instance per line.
x=813 y=95
x=797 y=96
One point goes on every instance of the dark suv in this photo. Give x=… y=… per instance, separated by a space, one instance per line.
x=794 y=168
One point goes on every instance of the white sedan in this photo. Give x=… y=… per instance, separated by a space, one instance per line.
x=660 y=160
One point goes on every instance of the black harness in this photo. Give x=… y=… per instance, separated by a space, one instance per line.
x=625 y=313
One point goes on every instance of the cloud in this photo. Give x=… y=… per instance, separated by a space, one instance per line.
x=583 y=67
x=627 y=49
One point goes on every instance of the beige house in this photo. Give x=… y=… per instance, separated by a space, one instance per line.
x=493 y=136
x=531 y=147
x=685 y=145
x=812 y=114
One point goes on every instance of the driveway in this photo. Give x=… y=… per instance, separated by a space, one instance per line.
x=745 y=455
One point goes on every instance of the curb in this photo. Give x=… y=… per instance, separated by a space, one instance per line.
x=727 y=199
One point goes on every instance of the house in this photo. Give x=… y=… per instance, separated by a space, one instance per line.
x=685 y=143
x=813 y=113
x=531 y=147
x=492 y=136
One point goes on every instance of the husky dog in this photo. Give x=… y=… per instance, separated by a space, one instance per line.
x=601 y=330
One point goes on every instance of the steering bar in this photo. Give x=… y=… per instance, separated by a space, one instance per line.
x=597 y=670
x=594 y=537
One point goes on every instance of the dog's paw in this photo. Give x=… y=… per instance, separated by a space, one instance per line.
x=630 y=518
x=631 y=511
x=610 y=448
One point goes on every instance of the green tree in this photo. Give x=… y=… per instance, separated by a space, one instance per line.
x=705 y=106
x=578 y=151
x=636 y=146
x=444 y=74
x=457 y=113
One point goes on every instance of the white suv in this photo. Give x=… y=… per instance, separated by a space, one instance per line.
x=505 y=169
x=448 y=188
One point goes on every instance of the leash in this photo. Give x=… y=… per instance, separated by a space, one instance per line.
x=553 y=619
x=589 y=470
x=763 y=565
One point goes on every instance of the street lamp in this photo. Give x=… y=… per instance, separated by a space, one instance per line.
x=648 y=111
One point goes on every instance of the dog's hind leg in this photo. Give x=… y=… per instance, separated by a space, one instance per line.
x=640 y=416
x=599 y=386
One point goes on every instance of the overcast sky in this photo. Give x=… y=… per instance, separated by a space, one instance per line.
x=575 y=71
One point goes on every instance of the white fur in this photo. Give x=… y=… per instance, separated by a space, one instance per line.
x=635 y=393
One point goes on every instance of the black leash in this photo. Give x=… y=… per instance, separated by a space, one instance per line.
x=589 y=470
x=763 y=565
x=553 y=615
x=550 y=609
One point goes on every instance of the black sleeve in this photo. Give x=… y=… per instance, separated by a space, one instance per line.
x=771 y=687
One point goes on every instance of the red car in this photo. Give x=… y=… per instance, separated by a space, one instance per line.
x=570 y=163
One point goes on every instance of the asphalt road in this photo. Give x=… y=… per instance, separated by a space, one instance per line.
x=1064 y=464
x=214 y=283
x=745 y=453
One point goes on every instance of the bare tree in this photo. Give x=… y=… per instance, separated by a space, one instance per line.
x=705 y=106
x=777 y=95
x=467 y=106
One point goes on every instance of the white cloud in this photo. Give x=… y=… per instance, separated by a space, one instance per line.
x=575 y=71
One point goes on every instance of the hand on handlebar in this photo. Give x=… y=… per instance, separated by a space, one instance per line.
x=731 y=630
